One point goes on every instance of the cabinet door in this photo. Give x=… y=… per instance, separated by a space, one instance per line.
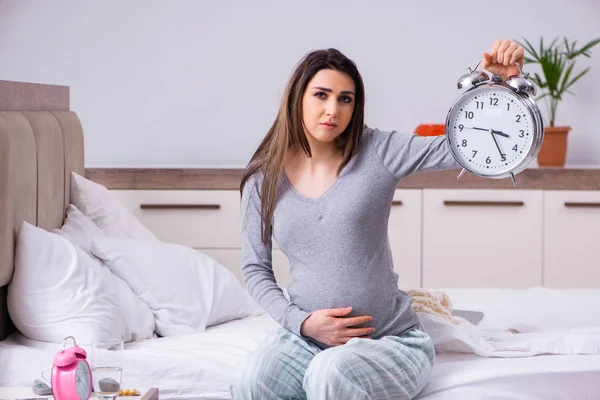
x=482 y=238
x=195 y=218
x=572 y=239
x=404 y=230
x=232 y=258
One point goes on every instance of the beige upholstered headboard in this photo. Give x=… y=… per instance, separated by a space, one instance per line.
x=41 y=142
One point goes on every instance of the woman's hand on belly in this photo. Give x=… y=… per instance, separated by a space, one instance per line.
x=333 y=328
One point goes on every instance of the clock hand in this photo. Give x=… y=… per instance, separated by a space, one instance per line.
x=479 y=129
x=499 y=133
x=497 y=145
x=487 y=130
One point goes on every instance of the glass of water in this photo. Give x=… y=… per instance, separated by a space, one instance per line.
x=107 y=368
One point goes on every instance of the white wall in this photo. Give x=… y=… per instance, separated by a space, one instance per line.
x=197 y=83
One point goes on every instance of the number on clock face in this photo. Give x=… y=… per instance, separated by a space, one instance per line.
x=490 y=130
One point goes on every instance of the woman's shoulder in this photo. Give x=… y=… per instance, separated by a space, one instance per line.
x=367 y=134
x=253 y=183
x=370 y=134
x=373 y=137
x=378 y=137
x=376 y=133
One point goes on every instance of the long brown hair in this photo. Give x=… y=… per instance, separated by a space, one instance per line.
x=287 y=132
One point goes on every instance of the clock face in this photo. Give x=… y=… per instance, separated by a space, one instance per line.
x=491 y=130
x=82 y=380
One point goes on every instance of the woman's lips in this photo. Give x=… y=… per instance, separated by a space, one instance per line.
x=328 y=126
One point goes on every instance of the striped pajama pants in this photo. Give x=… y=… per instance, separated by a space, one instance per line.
x=285 y=366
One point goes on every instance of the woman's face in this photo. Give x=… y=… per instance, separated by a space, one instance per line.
x=327 y=105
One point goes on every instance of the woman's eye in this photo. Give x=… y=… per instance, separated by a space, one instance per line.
x=343 y=99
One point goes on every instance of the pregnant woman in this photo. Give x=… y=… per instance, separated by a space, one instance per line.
x=321 y=184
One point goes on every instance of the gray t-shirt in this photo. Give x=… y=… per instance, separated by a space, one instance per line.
x=337 y=244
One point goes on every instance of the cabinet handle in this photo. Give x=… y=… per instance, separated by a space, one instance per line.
x=484 y=203
x=581 y=205
x=180 y=206
x=397 y=203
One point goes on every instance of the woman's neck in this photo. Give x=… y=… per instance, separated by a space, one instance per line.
x=323 y=158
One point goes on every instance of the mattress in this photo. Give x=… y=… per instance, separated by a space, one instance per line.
x=200 y=366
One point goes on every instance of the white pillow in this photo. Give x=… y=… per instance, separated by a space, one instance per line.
x=80 y=231
x=187 y=290
x=96 y=202
x=57 y=291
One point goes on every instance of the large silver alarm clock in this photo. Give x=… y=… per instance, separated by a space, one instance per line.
x=494 y=128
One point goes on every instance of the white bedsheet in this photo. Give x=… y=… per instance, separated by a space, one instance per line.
x=197 y=366
x=549 y=377
x=200 y=366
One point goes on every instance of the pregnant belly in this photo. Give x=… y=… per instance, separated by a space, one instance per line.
x=379 y=303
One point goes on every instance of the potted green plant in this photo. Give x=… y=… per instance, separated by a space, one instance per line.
x=557 y=62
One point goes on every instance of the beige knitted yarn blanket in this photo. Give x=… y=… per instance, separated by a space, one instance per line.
x=433 y=302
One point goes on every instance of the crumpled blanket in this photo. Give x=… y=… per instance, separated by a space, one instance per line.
x=432 y=302
x=455 y=334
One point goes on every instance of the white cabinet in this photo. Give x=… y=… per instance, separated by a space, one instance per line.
x=404 y=231
x=572 y=239
x=482 y=238
x=195 y=218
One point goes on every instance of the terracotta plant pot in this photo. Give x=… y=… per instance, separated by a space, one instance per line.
x=554 y=147
x=430 y=129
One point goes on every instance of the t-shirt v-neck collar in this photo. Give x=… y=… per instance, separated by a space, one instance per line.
x=313 y=199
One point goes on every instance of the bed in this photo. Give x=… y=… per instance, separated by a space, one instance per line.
x=199 y=366
x=41 y=143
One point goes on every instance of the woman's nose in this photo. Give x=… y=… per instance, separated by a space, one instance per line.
x=332 y=108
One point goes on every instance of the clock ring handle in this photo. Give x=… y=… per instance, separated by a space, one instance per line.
x=473 y=69
x=519 y=67
x=521 y=73
x=65 y=342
